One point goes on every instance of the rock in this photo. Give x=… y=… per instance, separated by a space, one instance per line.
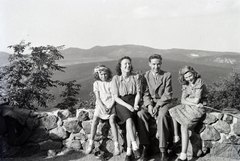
x=82 y=115
x=59 y=133
x=229 y=151
x=51 y=153
x=49 y=144
x=236 y=127
x=222 y=127
x=220 y=116
x=210 y=133
x=91 y=113
x=49 y=122
x=194 y=146
x=228 y=118
x=39 y=134
x=87 y=126
x=210 y=119
x=72 y=144
x=72 y=125
x=63 y=114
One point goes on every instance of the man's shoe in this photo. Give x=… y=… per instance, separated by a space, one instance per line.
x=128 y=158
x=136 y=154
x=163 y=156
x=181 y=159
x=144 y=156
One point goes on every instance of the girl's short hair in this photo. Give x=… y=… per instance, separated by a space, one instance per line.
x=118 y=66
x=101 y=68
x=185 y=70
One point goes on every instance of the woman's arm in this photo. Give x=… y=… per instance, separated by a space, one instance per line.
x=121 y=102
x=190 y=101
x=137 y=100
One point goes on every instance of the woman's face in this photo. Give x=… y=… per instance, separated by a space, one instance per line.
x=189 y=77
x=126 y=65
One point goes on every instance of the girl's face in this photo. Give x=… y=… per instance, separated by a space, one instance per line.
x=126 y=65
x=189 y=77
x=103 y=75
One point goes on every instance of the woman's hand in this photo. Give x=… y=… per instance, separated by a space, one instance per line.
x=136 y=107
x=155 y=110
x=150 y=109
x=200 y=105
x=131 y=108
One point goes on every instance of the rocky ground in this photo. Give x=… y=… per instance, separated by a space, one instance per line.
x=80 y=156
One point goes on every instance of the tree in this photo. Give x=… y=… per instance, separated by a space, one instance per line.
x=225 y=93
x=26 y=81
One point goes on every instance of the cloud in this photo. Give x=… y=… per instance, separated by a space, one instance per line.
x=145 y=12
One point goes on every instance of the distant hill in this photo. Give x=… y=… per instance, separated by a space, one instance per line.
x=3 y=58
x=83 y=73
x=99 y=53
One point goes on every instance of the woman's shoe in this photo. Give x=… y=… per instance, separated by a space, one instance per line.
x=128 y=158
x=137 y=154
x=89 y=149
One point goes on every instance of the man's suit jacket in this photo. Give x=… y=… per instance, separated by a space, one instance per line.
x=157 y=92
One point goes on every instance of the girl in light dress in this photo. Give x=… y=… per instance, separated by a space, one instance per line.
x=105 y=108
x=189 y=112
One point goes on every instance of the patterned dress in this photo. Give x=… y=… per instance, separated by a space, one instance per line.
x=189 y=115
x=104 y=89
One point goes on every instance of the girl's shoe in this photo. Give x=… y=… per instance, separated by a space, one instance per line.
x=181 y=159
x=89 y=149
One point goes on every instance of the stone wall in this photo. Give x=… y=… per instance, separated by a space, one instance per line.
x=217 y=134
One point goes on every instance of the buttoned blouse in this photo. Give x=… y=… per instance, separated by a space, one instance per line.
x=198 y=90
x=122 y=87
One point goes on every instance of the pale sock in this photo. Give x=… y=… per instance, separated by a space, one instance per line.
x=134 y=145
x=176 y=139
x=183 y=156
x=129 y=152
x=116 y=144
x=90 y=142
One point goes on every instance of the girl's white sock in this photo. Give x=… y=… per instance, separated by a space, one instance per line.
x=183 y=156
x=176 y=138
x=129 y=151
x=134 y=145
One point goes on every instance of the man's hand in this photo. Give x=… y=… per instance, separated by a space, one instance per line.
x=155 y=110
x=150 y=109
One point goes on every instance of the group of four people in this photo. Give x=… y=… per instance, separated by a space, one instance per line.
x=131 y=100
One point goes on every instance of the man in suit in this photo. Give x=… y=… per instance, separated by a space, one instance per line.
x=157 y=96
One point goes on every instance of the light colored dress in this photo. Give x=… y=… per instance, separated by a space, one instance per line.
x=188 y=115
x=104 y=89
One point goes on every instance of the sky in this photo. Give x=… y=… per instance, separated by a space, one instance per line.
x=212 y=25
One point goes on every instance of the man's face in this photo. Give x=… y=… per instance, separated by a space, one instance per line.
x=155 y=65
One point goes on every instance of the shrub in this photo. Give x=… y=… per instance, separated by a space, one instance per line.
x=25 y=82
x=225 y=93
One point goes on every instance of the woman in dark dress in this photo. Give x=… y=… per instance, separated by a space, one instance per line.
x=126 y=92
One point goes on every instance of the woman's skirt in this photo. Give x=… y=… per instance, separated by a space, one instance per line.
x=122 y=112
x=187 y=115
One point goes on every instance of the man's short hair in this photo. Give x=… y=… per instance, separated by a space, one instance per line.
x=155 y=56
